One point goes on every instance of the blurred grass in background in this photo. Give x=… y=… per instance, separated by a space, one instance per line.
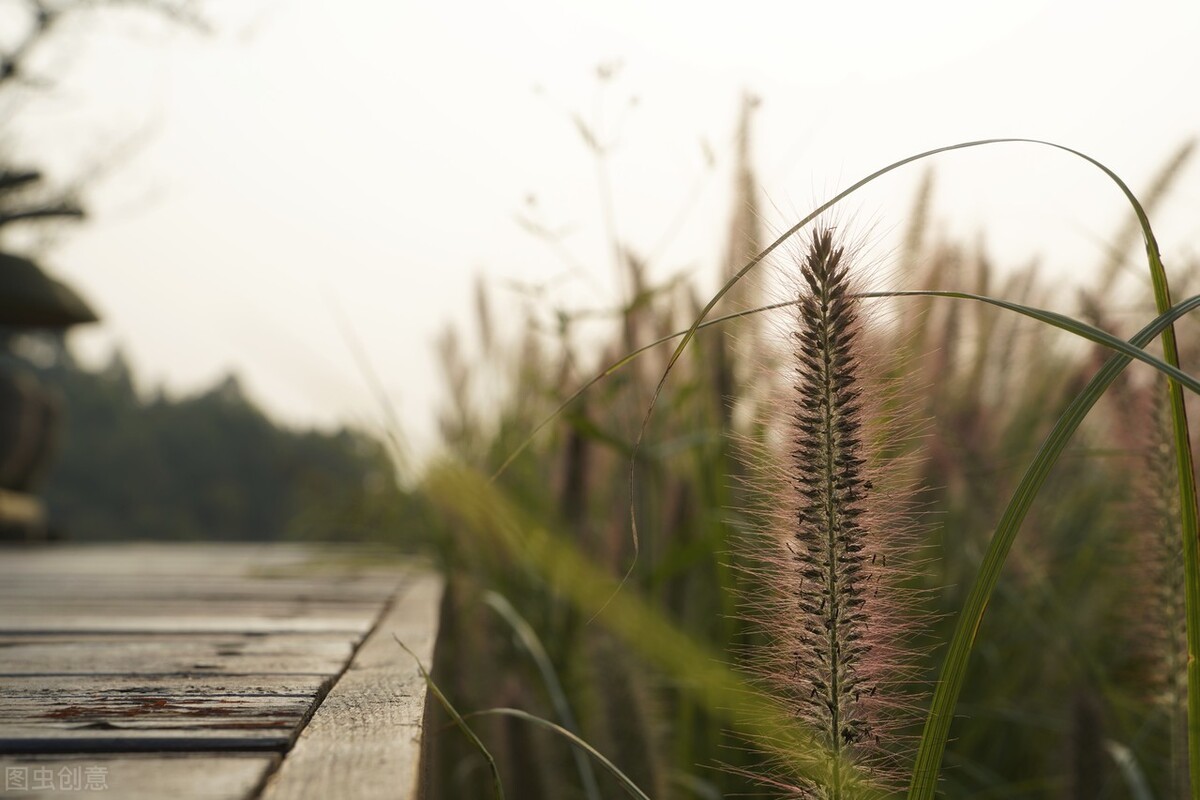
x=1069 y=692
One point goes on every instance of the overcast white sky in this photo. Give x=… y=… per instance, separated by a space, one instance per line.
x=372 y=155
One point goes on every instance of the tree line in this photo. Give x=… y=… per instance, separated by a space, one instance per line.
x=211 y=466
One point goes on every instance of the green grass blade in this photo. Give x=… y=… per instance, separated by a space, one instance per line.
x=1079 y=328
x=1190 y=524
x=614 y=367
x=941 y=712
x=1189 y=514
x=627 y=784
x=1050 y=317
x=533 y=645
x=497 y=786
x=1154 y=195
x=1063 y=322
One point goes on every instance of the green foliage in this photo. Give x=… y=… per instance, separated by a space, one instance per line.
x=210 y=466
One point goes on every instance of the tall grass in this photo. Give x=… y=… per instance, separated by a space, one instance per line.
x=1044 y=697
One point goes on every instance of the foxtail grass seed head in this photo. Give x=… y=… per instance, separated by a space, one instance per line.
x=1160 y=620
x=834 y=595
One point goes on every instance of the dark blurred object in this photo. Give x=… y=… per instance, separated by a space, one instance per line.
x=30 y=411
x=29 y=416
x=29 y=298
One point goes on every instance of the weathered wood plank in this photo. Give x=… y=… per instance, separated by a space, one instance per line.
x=155 y=559
x=15 y=623
x=368 y=729
x=165 y=605
x=332 y=590
x=167 y=654
x=195 y=777
x=152 y=712
x=54 y=687
x=173 y=607
x=35 y=740
x=198 y=560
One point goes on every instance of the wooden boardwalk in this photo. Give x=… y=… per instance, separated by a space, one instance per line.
x=212 y=671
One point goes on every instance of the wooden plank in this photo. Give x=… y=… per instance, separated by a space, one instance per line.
x=333 y=590
x=154 y=559
x=37 y=596
x=368 y=729
x=167 y=654
x=158 y=606
x=34 y=740
x=169 y=606
x=40 y=714
x=195 y=777
x=199 y=560
x=12 y=624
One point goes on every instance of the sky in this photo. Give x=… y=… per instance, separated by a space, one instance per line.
x=313 y=173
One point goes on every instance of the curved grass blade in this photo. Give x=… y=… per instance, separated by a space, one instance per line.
x=842 y=195
x=1053 y=318
x=497 y=787
x=627 y=784
x=609 y=370
x=1188 y=510
x=941 y=712
x=1190 y=525
x=1189 y=513
x=1170 y=351
x=1063 y=322
x=533 y=645
x=1050 y=317
x=741 y=273
x=1159 y=188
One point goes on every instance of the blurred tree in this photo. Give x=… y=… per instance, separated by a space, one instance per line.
x=209 y=466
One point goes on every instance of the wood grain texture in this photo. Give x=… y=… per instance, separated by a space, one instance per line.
x=146 y=713
x=194 y=777
x=334 y=589
x=367 y=732
x=239 y=560
x=14 y=622
x=166 y=654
